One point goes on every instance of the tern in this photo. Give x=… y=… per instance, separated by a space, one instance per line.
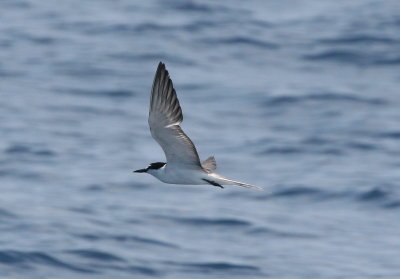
x=183 y=163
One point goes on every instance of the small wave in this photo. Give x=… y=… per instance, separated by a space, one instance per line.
x=282 y=150
x=363 y=146
x=388 y=61
x=96 y=255
x=382 y=196
x=143 y=270
x=189 y=6
x=19 y=149
x=291 y=150
x=373 y=194
x=27 y=259
x=390 y=135
x=279 y=233
x=130 y=269
x=298 y=191
x=323 y=97
x=6 y=214
x=337 y=55
x=242 y=41
x=127 y=238
x=392 y=205
x=212 y=222
x=215 y=266
x=358 y=39
x=113 y=93
x=304 y=191
x=353 y=57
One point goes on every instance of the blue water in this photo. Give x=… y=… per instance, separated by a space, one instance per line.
x=300 y=97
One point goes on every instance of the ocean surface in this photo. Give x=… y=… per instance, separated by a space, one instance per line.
x=299 y=97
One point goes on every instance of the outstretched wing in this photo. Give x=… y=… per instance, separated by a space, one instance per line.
x=164 y=118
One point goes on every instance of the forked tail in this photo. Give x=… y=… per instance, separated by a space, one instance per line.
x=223 y=180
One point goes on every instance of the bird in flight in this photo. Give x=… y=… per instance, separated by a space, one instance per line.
x=183 y=163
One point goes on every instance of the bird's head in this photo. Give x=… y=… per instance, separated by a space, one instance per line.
x=152 y=167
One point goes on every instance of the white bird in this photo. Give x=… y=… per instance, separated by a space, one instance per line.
x=183 y=163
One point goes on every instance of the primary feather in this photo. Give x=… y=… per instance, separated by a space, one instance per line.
x=164 y=118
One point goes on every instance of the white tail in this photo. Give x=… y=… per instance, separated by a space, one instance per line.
x=223 y=180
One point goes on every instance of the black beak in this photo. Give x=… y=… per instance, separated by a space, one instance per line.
x=141 y=170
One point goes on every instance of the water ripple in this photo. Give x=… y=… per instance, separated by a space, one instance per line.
x=96 y=255
x=323 y=97
x=216 y=266
x=26 y=259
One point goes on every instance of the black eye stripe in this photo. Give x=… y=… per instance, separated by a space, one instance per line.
x=156 y=166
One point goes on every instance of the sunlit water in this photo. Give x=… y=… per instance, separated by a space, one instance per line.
x=300 y=97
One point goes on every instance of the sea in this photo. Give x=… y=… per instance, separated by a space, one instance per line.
x=300 y=97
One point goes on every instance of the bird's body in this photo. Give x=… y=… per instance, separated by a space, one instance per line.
x=183 y=163
x=175 y=175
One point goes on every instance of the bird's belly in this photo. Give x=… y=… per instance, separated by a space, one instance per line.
x=190 y=177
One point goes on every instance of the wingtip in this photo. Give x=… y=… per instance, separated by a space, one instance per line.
x=161 y=64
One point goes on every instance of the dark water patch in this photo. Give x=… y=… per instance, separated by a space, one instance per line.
x=343 y=56
x=358 y=39
x=144 y=270
x=131 y=269
x=6 y=214
x=151 y=26
x=331 y=151
x=189 y=6
x=363 y=146
x=19 y=149
x=287 y=150
x=388 y=61
x=390 y=135
x=279 y=233
x=82 y=210
x=262 y=23
x=228 y=222
x=96 y=255
x=300 y=149
x=194 y=86
x=323 y=97
x=9 y=172
x=42 y=40
x=215 y=267
x=11 y=74
x=353 y=57
x=6 y=43
x=316 y=141
x=298 y=191
x=16 y=4
x=44 y=153
x=202 y=25
x=113 y=93
x=374 y=194
x=127 y=238
x=241 y=41
x=28 y=259
x=94 y=188
x=79 y=26
x=88 y=236
x=382 y=196
x=392 y=204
